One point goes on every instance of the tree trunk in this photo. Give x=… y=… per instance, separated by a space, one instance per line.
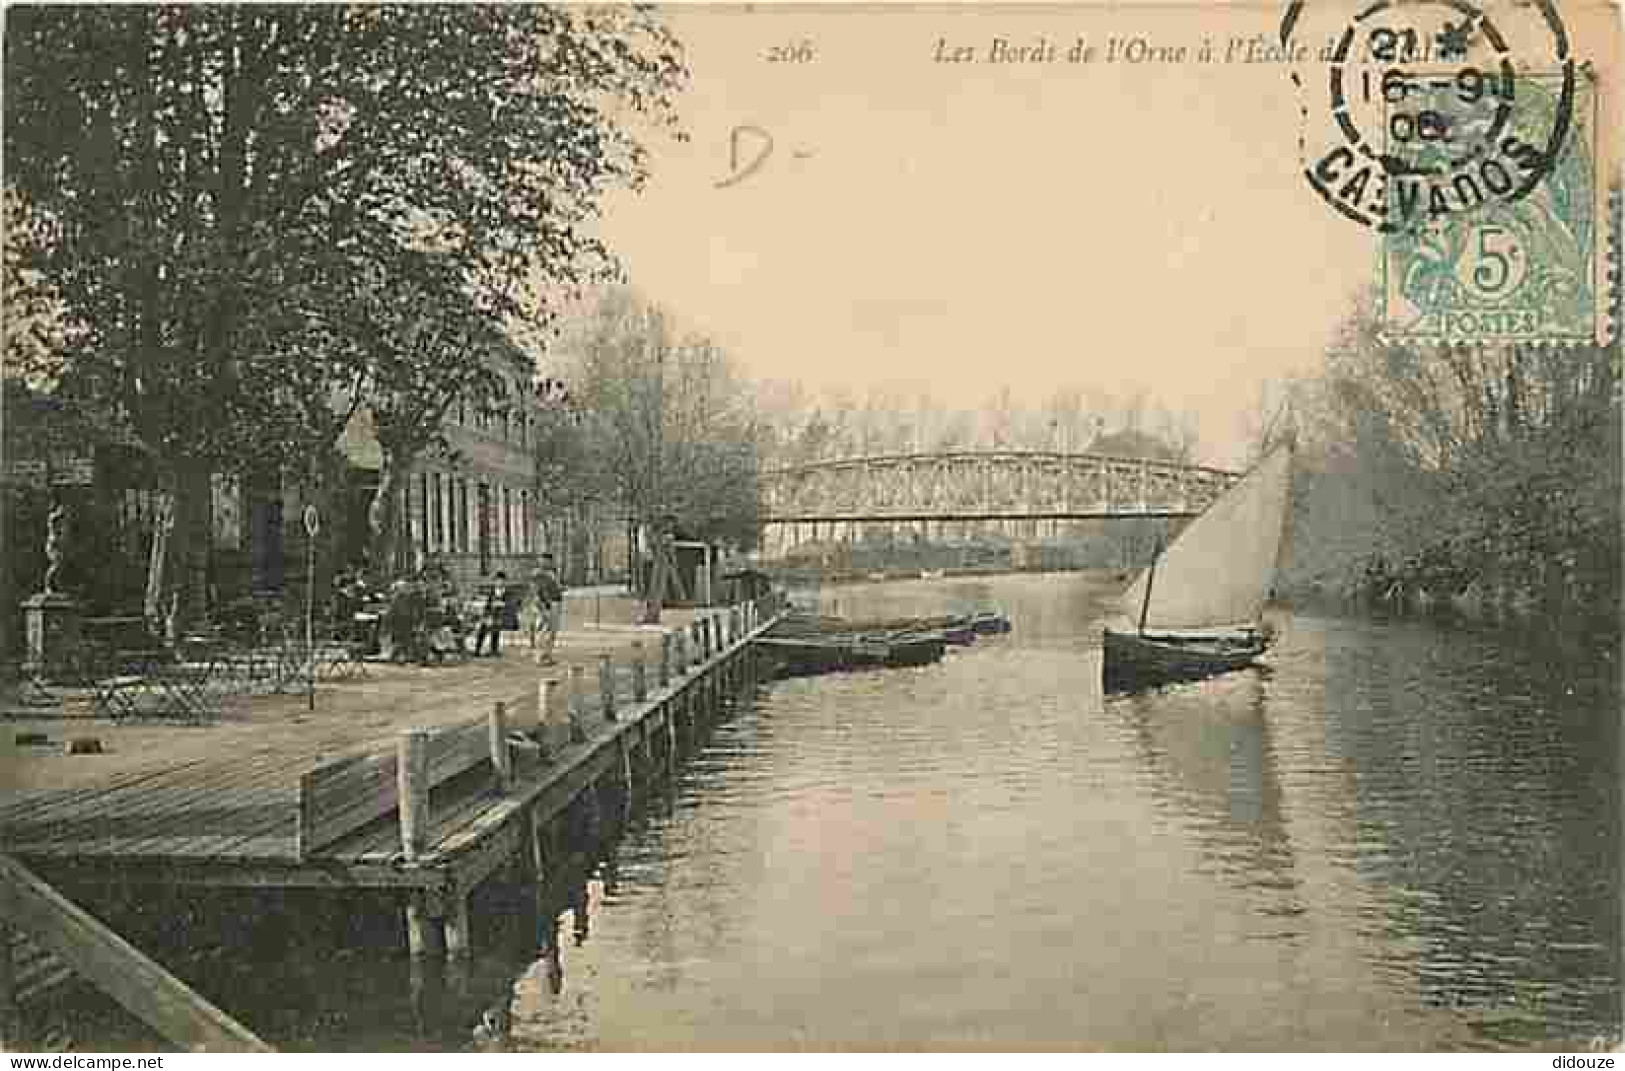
x=155 y=605
x=383 y=518
x=190 y=536
x=659 y=572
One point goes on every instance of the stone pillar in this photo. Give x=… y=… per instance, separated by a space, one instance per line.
x=51 y=623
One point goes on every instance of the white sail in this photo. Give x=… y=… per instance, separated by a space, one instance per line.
x=1217 y=573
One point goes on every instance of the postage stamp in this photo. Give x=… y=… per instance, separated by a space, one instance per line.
x=1488 y=268
x=1468 y=137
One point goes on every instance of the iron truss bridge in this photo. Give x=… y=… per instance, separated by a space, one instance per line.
x=988 y=486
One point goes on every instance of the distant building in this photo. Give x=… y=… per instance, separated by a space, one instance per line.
x=473 y=511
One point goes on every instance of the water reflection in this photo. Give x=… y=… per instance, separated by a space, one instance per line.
x=1486 y=810
x=1206 y=747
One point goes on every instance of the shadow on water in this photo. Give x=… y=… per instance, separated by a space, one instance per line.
x=1487 y=789
x=1206 y=746
x=1469 y=779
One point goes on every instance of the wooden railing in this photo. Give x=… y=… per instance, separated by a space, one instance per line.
x=343 y=796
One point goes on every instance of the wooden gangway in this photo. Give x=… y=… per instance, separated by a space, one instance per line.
x=78 y=940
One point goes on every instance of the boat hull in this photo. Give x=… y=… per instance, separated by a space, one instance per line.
x=809 y=656
x=960 y=630
x=1133 y=661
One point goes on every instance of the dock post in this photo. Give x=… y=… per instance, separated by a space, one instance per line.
x=10 y=1031
x=547 y=692
x=594 y=814
x=628 y=793
x=606 y=685
x=665 y=659
x=501 y=757
x=412 y=786
x=524 y=860
x=640 y=673
x=575 y=700
x=457 y=931
x=422 y=931
x=536 y=827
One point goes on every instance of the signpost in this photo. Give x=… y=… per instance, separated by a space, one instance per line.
x=313 y=525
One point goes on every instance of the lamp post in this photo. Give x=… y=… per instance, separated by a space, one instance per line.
x=313 y=525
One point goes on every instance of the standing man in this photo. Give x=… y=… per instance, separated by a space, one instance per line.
x=548 y=593
x=493 y=616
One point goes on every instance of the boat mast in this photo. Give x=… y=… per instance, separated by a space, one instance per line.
x=1150 y=578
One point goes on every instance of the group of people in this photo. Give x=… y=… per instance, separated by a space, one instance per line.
x=535 y=608
x=423 y=620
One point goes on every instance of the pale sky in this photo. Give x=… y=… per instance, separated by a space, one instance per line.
x=967 y=226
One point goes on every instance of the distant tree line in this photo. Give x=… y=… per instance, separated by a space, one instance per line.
x=801 y=426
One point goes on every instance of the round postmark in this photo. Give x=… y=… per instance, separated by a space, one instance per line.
x=1429 y=108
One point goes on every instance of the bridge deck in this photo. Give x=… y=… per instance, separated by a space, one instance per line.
x=997 y=485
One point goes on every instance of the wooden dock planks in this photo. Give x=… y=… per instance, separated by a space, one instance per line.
x=292 y=815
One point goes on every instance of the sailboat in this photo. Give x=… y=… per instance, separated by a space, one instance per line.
x=1200 y=604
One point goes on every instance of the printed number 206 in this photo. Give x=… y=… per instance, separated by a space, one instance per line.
x=796 y=52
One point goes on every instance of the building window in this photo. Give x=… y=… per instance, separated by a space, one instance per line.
x=408 y=517
x=437 y=540
x=483 y=529
x=505 y=544
x=460 y=515
x=423 y=506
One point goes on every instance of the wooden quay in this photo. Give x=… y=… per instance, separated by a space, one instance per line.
x=425 y=821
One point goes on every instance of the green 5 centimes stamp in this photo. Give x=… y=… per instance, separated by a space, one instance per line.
x=1494 y=238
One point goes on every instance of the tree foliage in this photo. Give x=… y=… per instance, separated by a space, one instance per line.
x=249 y=212
x=668 y=417
x=1493 y=469
x=800 y=428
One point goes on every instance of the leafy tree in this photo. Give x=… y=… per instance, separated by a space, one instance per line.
x=673 y=422
x=1492 y=468
x=200 y=181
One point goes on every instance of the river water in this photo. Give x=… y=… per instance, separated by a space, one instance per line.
x=1401 y=836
